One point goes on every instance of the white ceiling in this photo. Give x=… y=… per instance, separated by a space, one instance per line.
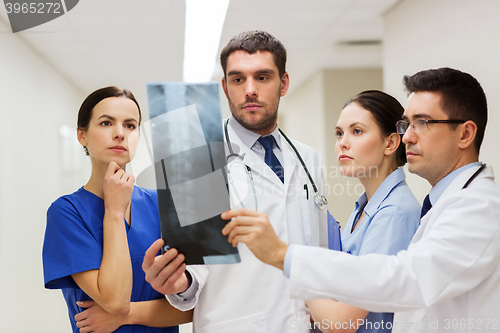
x=129 y=42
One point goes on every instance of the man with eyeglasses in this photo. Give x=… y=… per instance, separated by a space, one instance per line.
x=449 y=278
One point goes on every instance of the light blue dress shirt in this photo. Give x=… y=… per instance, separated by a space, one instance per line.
x=250 y=138
x=441 y=185
x=391 y=218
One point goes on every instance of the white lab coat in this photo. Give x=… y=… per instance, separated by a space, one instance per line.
x=251 y=296
x=447 y=281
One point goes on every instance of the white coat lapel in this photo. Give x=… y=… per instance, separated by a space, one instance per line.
x=258 y=166
x=456 y=185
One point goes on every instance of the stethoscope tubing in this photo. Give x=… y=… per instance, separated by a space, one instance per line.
x=300 y=159
x=478 y=171
x=304 y=166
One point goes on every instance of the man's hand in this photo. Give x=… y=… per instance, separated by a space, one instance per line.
x=253 y=229
x=165 y=273
x=96 y=319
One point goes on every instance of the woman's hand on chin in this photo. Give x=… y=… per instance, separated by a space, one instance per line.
x=118 y=186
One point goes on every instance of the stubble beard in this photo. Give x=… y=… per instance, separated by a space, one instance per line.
x=268 y=119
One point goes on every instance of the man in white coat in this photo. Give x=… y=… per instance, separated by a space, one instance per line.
x=448 y=280
x=251 y=296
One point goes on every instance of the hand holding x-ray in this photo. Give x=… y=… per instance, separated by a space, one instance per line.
x=254 y=229
x=166 y=272
x=190 y=167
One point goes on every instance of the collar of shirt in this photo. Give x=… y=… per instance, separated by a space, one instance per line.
x=250 y=138
x=441 y=185
x=396 y=177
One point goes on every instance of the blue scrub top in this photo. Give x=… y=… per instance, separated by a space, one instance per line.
x=392 y=217
x=74 y=239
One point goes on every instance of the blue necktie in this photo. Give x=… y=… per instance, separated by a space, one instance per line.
x=268 y=143
x=426 y=206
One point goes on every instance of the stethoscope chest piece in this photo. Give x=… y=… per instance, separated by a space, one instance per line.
x=320 y=201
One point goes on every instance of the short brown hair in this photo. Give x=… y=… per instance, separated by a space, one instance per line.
x=253 y=41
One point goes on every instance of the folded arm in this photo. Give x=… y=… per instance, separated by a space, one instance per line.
x=155 y=313
x=333 y=312
x=111 y=285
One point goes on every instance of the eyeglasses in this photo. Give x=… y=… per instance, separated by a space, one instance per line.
x=420 y=124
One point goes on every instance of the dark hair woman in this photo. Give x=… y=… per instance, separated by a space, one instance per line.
x=387 y=215
x=96 y=237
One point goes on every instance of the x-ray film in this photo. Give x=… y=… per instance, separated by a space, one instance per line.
x=189 y=162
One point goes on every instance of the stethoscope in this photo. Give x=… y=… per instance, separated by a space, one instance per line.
x=320 y=200
x=474 y=175
x=478 y=171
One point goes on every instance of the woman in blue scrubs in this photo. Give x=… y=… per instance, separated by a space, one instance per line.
x=386 y=215
x=96 y=238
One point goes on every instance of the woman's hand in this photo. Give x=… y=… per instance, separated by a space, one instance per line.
x=254 y=229
x=153 y=313
x=118 y=186
x=96 y=319
x=110 y=286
